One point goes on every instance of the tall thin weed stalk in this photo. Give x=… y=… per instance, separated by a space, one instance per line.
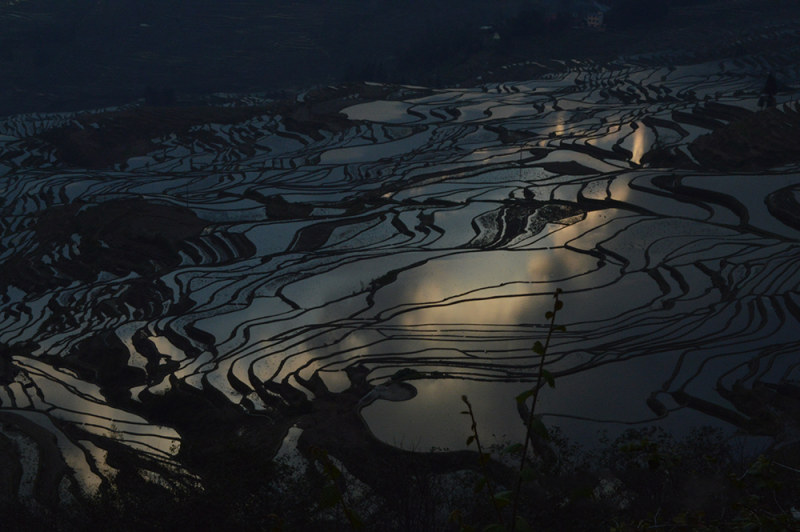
x=533 y=428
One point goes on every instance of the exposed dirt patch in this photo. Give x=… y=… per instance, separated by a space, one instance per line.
x=755 y=142
x=100 y=140
x=117 y=236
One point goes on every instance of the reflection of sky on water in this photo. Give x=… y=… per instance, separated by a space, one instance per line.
x=381 y=111
x=408 y=424
x=475 y=313
x=426 y=241
x=639 y=329
x=641 y=139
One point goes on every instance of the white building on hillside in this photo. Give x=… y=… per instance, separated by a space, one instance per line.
x=595 y=15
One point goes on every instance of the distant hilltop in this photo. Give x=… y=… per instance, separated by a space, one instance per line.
x=58 y=55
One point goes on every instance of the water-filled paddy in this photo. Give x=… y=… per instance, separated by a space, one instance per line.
x=300 y=255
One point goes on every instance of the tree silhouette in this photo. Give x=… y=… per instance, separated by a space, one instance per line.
x=769 y=92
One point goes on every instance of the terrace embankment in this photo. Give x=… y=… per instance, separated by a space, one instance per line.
x=104 y=139
x=754 y=142
x=747 y=142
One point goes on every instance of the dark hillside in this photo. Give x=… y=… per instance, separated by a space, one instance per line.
x=58 y=55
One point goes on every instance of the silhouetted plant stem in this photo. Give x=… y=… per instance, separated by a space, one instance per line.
x=332 y=494
x=541 y=378
x=483 y=458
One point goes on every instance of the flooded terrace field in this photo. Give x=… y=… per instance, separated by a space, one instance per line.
x=368 y=233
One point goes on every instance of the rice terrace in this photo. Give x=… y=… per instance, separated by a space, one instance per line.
x=263 y=309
